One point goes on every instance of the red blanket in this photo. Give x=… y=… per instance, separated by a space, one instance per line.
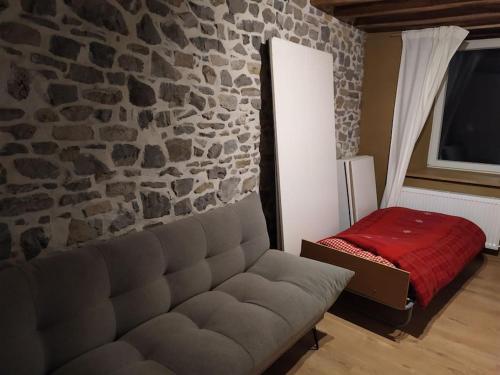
x=433 y=247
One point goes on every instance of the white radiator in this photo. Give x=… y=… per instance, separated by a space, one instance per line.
x=485 y=212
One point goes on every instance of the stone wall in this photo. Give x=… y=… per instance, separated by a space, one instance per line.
x=121 y=114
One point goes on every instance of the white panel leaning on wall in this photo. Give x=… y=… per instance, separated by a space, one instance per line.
x=357 y=189
x=304 y=118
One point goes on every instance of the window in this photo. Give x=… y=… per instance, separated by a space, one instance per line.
x=466 y=123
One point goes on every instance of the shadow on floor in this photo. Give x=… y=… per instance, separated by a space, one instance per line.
x=380 y=320
x=297 y=353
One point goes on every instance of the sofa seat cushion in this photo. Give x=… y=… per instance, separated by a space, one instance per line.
x=323 y=281
x=257 y=329
x=117 y=358
x=286 y=300
x=236 y=327
x=185 y=347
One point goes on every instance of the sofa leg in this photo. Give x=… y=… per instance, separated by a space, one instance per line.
x=316 y=341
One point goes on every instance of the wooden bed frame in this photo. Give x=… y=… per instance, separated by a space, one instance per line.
x=375 y=281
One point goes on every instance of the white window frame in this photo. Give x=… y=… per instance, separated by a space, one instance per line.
x=437 y=120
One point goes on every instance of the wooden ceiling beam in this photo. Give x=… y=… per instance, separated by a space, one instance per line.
x=482 y=17
x=398 y=7
x=484 y=31
x=481 y=27
x=466 y=21
x=467 y=9
x=328 y=6
x=490 y=34
x=335 y=3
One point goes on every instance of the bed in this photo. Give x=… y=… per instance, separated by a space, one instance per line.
x=401 y=255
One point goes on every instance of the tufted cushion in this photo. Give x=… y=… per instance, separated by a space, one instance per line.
x=321 y=280
x=22 y=350
x=117 y=358
x=254 y=328
x=71 y=297
x=284 y=299
x=136 y=265
x=177 y=342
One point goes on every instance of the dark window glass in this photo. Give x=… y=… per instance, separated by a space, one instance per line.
x=471 y=121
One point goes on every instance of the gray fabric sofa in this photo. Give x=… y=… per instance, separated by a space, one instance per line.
x=202 y=295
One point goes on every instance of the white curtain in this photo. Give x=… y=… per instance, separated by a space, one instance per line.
x=424 y=61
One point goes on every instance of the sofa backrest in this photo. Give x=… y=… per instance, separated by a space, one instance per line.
x=57 y=307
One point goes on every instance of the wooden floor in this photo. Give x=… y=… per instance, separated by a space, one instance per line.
x=459 y=333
